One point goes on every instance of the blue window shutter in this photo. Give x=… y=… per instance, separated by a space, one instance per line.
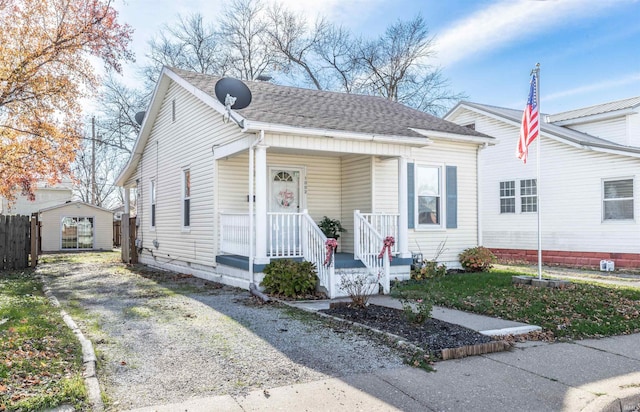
x=452 y=197
x=411 y=203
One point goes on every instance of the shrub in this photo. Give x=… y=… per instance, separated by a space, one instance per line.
x=358 y=287
x=289 y=278
x=416 y=310
x=477 y=259
x=429 y=269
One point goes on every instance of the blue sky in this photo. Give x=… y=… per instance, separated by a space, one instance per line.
x=589 y=50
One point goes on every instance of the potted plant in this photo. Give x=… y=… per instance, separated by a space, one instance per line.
x=331 y=227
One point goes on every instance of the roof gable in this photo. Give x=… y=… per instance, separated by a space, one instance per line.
x=78 y=203
x=556 y=132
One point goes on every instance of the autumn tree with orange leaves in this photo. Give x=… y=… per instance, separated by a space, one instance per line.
x=45 y=72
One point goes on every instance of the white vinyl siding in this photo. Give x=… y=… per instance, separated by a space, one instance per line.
x=356 y=193
x=171 y=148
x=570 y=189
x=614 y=130
x=427 y=242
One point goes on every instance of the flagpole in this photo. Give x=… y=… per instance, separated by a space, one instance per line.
x=537 y=73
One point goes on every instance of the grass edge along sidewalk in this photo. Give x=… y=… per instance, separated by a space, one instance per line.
x=40 y=359
x=582 y=310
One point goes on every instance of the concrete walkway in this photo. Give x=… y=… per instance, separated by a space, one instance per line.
x=589 y=375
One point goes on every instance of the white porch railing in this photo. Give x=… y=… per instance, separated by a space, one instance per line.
x=386 y=225
x=314 y=250
x=368 y=243
x=234 y=233
x=284 y=235
x=290 y=235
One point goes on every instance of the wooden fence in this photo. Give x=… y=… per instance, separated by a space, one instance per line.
x=17 y=243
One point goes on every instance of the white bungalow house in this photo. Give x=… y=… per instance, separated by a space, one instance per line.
x=589 y=183
x=221 y=194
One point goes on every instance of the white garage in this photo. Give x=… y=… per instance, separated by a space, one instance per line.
x=75 y=226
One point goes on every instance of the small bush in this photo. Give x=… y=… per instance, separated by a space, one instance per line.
x=289 y=278
x=416 y=310
x=477 y=259
x=429 y=269
x=358 y=287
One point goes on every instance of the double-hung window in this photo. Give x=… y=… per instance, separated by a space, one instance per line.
x=617 y=199
x=508 y=197
x=153 y=203
x=186 y=198
x=429 y=195
x=528 y=195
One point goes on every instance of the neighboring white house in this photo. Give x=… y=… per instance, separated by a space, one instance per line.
x=293 y=156
x=46 y=195
x=75 y=226
x=589 y=184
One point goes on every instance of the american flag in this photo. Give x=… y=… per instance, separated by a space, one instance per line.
x=530 y=122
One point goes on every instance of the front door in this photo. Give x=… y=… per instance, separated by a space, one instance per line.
x=285 y=199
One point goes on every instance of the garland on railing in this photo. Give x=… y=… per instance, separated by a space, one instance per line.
x=331 y=244
x=389 y=241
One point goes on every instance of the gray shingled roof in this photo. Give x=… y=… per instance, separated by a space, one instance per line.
x=597 y=109
x=552 y=129
x=306 y=108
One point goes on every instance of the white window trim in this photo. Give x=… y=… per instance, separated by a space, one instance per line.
x=153 y=201
x=514 y=197
x=443 y=196
x=185 y=229
x=520 y=196
x=602 y=200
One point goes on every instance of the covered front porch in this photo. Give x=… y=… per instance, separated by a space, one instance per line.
x=290 y=190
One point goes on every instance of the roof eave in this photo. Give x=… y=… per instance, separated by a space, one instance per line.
x=594 y=117
x=253 y=126
x=435 y=134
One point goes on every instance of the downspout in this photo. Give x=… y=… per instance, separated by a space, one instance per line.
x=252 y=239
x=478 y=193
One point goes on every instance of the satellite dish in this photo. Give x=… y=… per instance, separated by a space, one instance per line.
x=233 y=93
x=140 y=117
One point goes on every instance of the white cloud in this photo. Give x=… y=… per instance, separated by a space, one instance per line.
x=507 y=21
x=605 y=85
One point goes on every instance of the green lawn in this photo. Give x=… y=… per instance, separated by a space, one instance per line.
x=582 y=310
x=40 y=358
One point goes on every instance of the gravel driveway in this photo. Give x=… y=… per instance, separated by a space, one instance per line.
x=162 y=337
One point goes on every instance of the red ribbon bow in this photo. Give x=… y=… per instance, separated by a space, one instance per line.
x=330 y=245
x=389 y=241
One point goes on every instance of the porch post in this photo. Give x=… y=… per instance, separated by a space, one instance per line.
x=261 y=204
x=403 y=210
x=124 y=227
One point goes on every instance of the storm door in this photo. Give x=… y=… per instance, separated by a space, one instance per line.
x=285 y=201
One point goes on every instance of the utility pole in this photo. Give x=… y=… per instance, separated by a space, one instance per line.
x=93 y=160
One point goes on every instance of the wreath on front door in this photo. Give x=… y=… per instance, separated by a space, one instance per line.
x=285 y=198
